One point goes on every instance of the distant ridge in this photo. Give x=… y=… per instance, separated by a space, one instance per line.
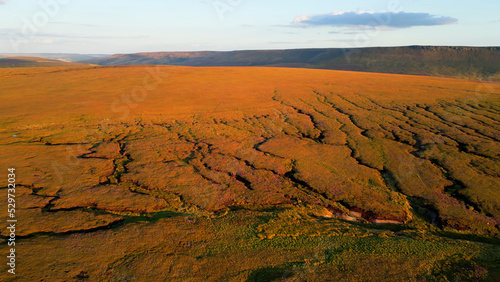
x=17 y=62
x=458 y=62
x=65 y=57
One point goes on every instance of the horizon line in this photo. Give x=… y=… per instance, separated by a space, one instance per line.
x=257 y=49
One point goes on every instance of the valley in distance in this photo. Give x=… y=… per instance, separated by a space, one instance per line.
x=374 y=164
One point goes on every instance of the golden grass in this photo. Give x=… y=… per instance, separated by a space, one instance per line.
x=127 y=148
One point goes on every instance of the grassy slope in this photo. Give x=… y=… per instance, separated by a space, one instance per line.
x=17 y=62
x=460 y=62
x=262 y=169
x=65 y=57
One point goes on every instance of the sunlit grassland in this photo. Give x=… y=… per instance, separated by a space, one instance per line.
x=254 y=174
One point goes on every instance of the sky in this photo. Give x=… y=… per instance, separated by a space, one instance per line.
x=131 y=26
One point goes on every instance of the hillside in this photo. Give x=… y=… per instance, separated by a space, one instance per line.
x=23 y=62
x=65 y=57
x=250 y=174
x=458 y=62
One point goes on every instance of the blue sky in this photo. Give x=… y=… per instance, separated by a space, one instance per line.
x=128 y=26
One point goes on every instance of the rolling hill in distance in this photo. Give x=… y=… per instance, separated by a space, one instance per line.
x=459 y=62
x=21 y=62
x=66 y=57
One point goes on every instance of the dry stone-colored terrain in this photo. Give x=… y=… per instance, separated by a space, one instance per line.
x=255 y=174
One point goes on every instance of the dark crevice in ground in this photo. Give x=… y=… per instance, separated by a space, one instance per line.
x=246 y=182
x=237 y=177
x=247 y=163
x=452 y=190
x=121 y=221
x=460 y=127
x=321 y=136
x=350 y=141
x=304 y=186
x=391 y=182
x=349 y=116
x=317 y=139
x=463 y=108
x=66 y=233
x=352 y=103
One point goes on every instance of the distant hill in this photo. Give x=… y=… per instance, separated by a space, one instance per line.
x=66 y=57
x=459 y=62
x=17 y=62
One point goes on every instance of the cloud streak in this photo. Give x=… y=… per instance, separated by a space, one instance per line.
x=3 y=2
x=366 y=18
x=10 y=33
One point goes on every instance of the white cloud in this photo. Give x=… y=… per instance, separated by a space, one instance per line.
x=369 y=18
